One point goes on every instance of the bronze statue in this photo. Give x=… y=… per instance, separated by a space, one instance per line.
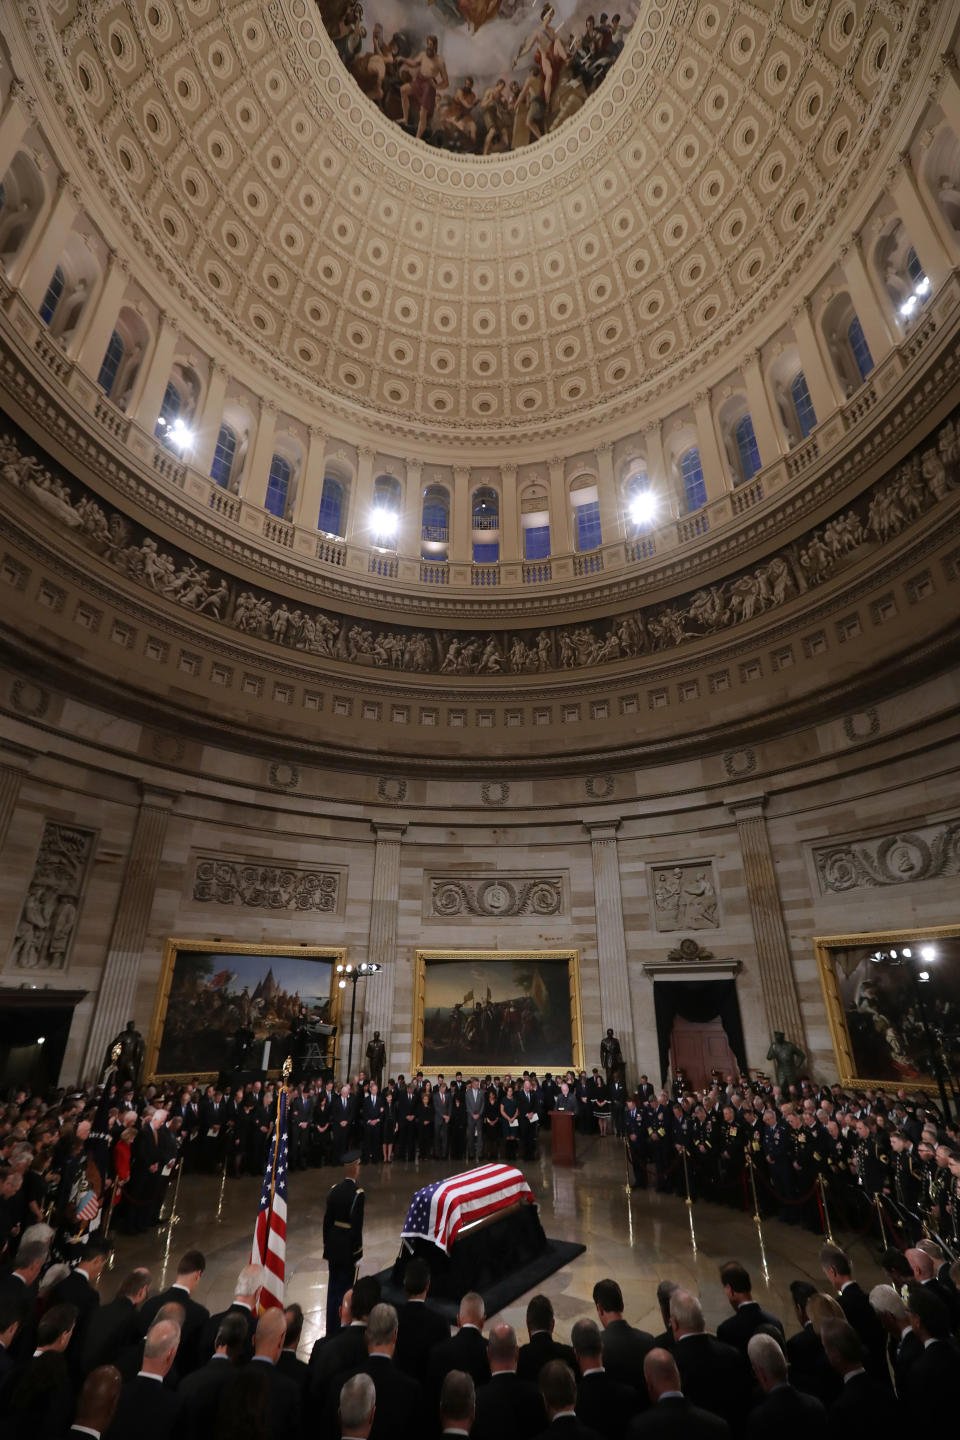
x=787 y=1059
x=611 y=1056
x=377 y=1058
x=125 y=1056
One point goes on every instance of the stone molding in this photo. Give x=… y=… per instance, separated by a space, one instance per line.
x=495 y=897
x=927 y=852
x=684 y=895
x=223 y=880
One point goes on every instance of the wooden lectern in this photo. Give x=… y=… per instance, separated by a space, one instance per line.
x=563 y=1146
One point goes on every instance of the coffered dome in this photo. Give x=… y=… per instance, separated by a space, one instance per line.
x=638 y=248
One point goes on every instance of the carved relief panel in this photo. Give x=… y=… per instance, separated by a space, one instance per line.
x=227 y=880
x=51 y=907
x=494 y=897
x=683 y=896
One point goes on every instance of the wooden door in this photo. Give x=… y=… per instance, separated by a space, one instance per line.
x=698 y=1049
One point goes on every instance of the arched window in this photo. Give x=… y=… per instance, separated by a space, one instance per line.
x=331 y=506
x=694 y=485
x=51 y=300
x=860 y=348
x=802 y=404
x=589 y=533
x=536 y=542
x=434 y=520
x=277 y=487
x=169 y=411
x=486 y=509
x=747 y=447
x=112 y=357
x=224 y=453
x=914 y=269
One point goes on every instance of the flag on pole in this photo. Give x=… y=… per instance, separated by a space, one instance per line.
x=270 y=1234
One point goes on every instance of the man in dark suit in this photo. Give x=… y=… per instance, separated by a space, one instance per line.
x=924 y=1269
x=288 y=1364
x=713 y=1375
x=38 y=1402
x=195 y=1316
x=624 y=1348
x=528 y=1113
x=671 y=1415
x=399 y=1398
x=12 y=1312
x=458 y=1402
x=473 y=1102
x=357 y=1407
x=96 y=1404
x=785 y=1411
x=245 y=1303
x=645 y=1090
x=147 y=1409
x=507 y=1408
x=932 y=1382
x=343 y=1235
x=77 y=1289
x=603 y=1403
x=559 y=1390
x=283 y=1403
x=20 y=1287
x=202 y=1390
x=748 y=1316
x=371 y=1115
x=421 y=1327
x=442 y=1111
x=665 y=1289
x=116 y=1326
x=865 y=1408
x=466 y=1351
x=343 y=1351
x=857 y=1310
x=541 y=1347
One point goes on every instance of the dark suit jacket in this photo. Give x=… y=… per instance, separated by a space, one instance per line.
x=810 y=1370
x=567 y=1427
x=75 y=1289
x=863 y=1410
x=38 y=1402
x=335 y=1355
x=196 y=1317
x=787 y=1414
x=146 y=1410
x=605 y=1404
x=676 y=1419
x=714 y=1376
x=932 y=1386
x=420 y=1328
x=200 y=1396
x=400 y=1409
x=284 y=1404
x=624 y=1351
x=467 y=1350
x=296 y=1370
x=508 y=1409
x=743 y=1323
x=908 y=1349
x=862 y=1316
x=111 y=1330
x=540 y=1348
x=208 y=1337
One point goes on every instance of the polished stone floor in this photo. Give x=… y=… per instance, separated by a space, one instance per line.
x=637 y=1238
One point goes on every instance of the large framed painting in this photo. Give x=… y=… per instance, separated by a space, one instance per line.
x=490 y=1011
x=893 y=1003
x=209 y=989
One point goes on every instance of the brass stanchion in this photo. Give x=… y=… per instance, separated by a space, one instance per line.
x=686 y=1183
x=223 y=1186
x=883 y=1229
x=756 y=1218
x=629 y=1164
x=823 y=1204
x=173 y=1216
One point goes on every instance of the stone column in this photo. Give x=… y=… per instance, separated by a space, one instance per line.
x=560 y=539
x=382 y=943
x=761 y=411
x=411 y=519
x=256 y=472
x=866 y=302
x=813 y=364
x=210 y=419
x=461 y=526
x=774 y=963
x=118 y=984
x=615 y=1008
x=33 y=268
x=660 y=477
x=716 y=472
x=361 y=499
x=14 y=764
x=152 y=380
x=13 y=126
x=89 y=345
x=924 y=237
x=610 y=524
x=510 y=546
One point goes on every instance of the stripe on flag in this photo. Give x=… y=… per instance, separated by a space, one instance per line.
x=270 y=1233
x=438 y=1212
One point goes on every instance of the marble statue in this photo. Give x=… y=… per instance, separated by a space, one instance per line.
x=125 y=1056
x=611 y=1056
x=787 y=1059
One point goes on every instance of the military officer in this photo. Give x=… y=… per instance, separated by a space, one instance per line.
x=343 y=1237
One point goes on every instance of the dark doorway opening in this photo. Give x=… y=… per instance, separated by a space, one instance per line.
x=705 y=1017
x=34 y=1026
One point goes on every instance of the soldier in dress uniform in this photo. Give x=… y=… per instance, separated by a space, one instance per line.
x=634 y=1133
x=343 y=1237
x=661 y=1140
x=732 y=1141
x=904 y=1185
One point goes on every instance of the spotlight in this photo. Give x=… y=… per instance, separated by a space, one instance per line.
x=41 y=1039
x=909 y=305
x=341 y=984
x=924 y=975
x=907 y=953
x=643 y=507
x=928 y=954
x=180 y=436
x=923 y=286
x=893 y=954
x=383 y=522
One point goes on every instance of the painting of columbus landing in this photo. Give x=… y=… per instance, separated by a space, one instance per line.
x=478 y=77
x=481 y=1011
x=210 y=991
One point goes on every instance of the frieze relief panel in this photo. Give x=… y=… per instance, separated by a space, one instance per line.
x=884 y=511
x=494 y=897
x=48 y=919
x=683 y=896
x=222 y=880
x=927 y=853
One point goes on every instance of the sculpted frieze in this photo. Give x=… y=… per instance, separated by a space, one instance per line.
x=496 y=897
x=218 y=880
x=882 y=513
x=926 y=853
x=51 y=908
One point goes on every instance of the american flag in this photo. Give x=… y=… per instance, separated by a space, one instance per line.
x=439 y=1211
x=270 y=1234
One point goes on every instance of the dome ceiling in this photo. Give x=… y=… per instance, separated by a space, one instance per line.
x=498 y=296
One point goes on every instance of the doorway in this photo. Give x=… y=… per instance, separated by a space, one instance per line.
x=33 y=1037
x=697 y=1049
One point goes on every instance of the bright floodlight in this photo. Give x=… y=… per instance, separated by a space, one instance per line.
x=41 y=1039
x=643 y=507
x=928 y=954
x=180 y=435
x=909 y=305
x=923 y=286
x=924 y=975
x=907 y=953
x=383 y=521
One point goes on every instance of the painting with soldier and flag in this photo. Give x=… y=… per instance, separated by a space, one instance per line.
x=491 y=1011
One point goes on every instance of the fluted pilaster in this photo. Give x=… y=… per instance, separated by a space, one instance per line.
x=615 y=1007
x=382 y=943
x=774 y=962
x=13 y=766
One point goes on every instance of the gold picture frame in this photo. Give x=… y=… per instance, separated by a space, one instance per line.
x=158 y=1046
x=840 y=994
x=543 y=989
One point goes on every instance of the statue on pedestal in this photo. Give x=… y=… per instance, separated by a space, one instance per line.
x=787 y=1059
x=611 y=1056
x=125 y=1056
x=377 y=1058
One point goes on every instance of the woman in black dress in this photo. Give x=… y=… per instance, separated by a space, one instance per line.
x=389 y=1124
x=511 y=1126
x=492 y=1124
x=458 y=1126
x=425 y=1123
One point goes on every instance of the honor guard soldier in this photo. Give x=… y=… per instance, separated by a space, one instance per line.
x=635 y=1135
x=343 y=1237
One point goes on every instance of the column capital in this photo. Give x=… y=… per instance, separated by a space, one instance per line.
x=218 y=368
x=509 y=469
x=414 y=467
x=389 y=832
x=156 y=798
x=899 y=166
x=461 y=472
x=747 y=807
x=602 y=830
x=17 y=91
x=16 y=757
x=557 y=460
x=268 y=407
x=802 y=307
x=752 y=357
x=701 y=397
x=366 y=452
x=603 y=447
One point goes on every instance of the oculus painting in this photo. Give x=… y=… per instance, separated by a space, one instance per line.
x=486 y=1014
x=478 y=77
x=208 y=993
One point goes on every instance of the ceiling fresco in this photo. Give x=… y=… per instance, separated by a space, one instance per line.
x=478 y=77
